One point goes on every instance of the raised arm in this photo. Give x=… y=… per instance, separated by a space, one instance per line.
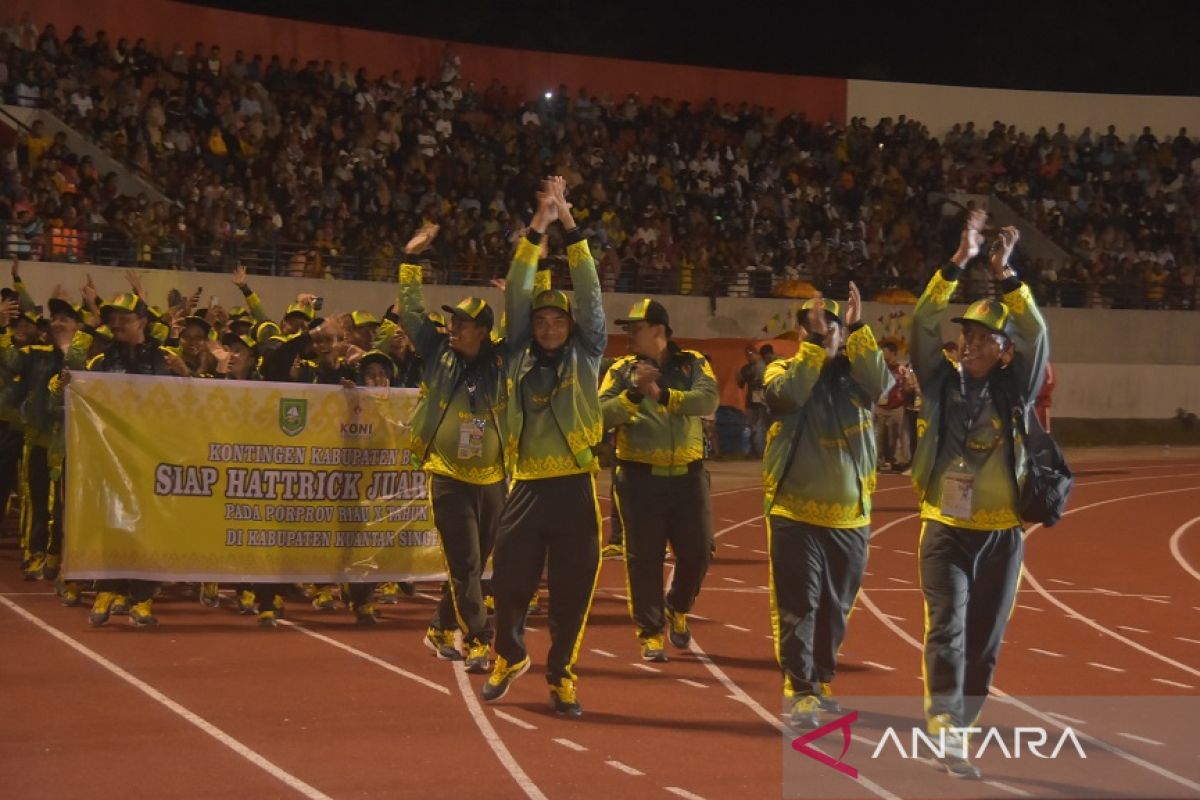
x=868 y=370
x=420 y=329
x=518 y=284
x=591 y=325
x=1031 y=344
x=925 y=345
x=252 y=300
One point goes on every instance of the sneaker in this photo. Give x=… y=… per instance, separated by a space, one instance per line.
x=120 y=605
x=564 y=699
x=652 y=649
x=245 y=602
x=388 y=593
x=502 y=677
x=806 y=712
x=34 y=566
x=101 y=609
x=477 y=658
x=325 y=598
x=51 y=567
x=612 y=551
x=268 y=619
x=955 y=761
x=141 y=615
x=365 y=614
x=210 y=595
x=677 y=628
x=827 y=701
x=442 y=644
x=70 y=594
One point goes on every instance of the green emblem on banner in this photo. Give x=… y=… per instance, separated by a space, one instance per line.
x=293 y=416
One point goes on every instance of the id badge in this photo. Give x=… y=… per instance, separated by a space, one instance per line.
x=470 y=438
x=958 y=494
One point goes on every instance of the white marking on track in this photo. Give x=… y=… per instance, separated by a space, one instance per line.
x=730 y=545
x=760 y=552
x=894 y=617
x=187 y=715
x=620 y=596
x=1059 y=581
x=763 y=588
x=1108 y=667
x=1109 y=592
x=693 y=684
x=1176 y=684
x=628 y=770
x=1141 y=739
x=904 y=581
x=1132 y=629
x=1186 y=639
x=1152 y=599
x=1177 y=551
x=692 y=615
x=520 y=723
x=475 y=708
x=645 y=667
x=570 y=745
x=727 y=519
x=905 y=552
x=1065 y=718
x=684 y=793
x=604 y=653
x=1028 y=608
x=1050 y=653
x=733 y=580
x=733 y=627
x=877 y=665
x=354 y=651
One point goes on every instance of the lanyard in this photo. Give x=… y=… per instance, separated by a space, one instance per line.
x=975 y=409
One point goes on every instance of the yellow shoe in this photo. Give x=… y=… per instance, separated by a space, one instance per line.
x=677 y=628
x=827 y=700
x=442 y=644
x=33 y=569
x=806 y=712
x=502 y=677
x=267 y=619
x=70 y=594
x=326 y=598
x=564 y=699
x=51 y=567
x=365 y=614
x=141 y=614
x=120 y=605
x=101 y=608
x=388 y=593
x=477 y=658
x=652 y=649
x=245 y=602
x=210 y=595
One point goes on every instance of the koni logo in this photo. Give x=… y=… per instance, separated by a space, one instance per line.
x=968 y=742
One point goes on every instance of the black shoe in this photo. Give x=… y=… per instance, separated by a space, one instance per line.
x=652 y=649
x=677 y=628
x=806 y=712
x=827 y=701
x=959 y=767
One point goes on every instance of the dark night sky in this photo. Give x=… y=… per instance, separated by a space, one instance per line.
x=1098 y=46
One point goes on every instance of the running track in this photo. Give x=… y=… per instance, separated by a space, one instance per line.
x=209 y=705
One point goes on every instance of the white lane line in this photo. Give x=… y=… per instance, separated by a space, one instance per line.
x=760 y=552
x=733 y=580
x=695 y=684
x=727 y=519
x=567 y=743
x=1186 y=639
x=530 y=629
x=1004 y=787
x=1033 y=582
x=1109 y=592
x=628 y=770
x=604 y=653
x=900 y=580
x=191 y=717
x=894 y=617
x=905 y=552
x=1065 y=718
x=1028 y=608
x=491 y=737
x=1152 y=599
x=730 y=545
x=1177 y=551
x=379 y=662
x=1141 y=739
x=684 y=793
x=1050 y=653
x=1108 y=667
x=1059 y=581
x=733 y=627
x=1132 y=629
x=1176 y=684
x=763 y=588
x=620 y=596
x=520 y=723
x=645 y=667
x=877 y=665
x=693 y=615
x=739 y=695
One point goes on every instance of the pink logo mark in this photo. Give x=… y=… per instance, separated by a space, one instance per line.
x=801 y=744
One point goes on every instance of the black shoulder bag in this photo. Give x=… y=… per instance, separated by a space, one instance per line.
x=1048 y=478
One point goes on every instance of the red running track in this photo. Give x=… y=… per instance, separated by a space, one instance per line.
x=209 y=705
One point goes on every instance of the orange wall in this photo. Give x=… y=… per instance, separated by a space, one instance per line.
x=527 y=73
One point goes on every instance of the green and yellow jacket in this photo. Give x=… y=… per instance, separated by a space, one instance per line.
x=986 y=449
x=664 y=432
x=819 y=465
x=564 y=448
x=442 y=373
x=12 y=391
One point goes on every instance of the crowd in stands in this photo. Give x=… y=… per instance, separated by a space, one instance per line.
x=319 y=169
